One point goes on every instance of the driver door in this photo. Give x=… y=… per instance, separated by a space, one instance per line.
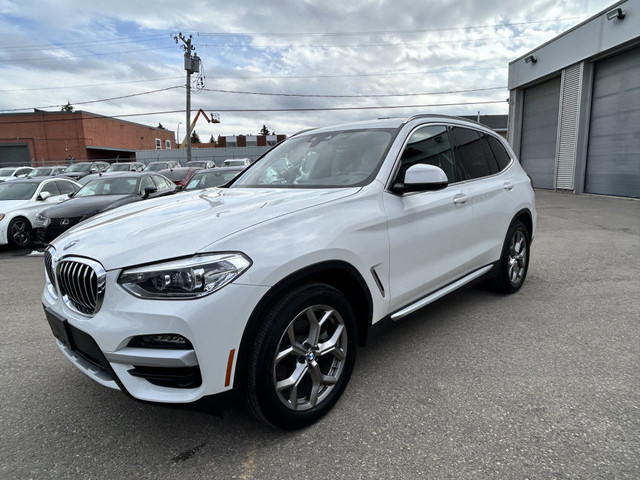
x=430 y=233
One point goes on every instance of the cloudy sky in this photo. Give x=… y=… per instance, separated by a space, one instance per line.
x=289 y=65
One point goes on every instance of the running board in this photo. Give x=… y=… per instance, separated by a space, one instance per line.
x=440 y=293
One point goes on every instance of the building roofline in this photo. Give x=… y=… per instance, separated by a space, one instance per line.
x=575 y=27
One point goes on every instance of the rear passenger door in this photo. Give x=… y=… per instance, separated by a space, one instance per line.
x=482 y=160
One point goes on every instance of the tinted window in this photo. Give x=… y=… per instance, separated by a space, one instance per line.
x=52 y=188
x=429 y=145
x=470 y=151
x=66 y=187
x=500 y=153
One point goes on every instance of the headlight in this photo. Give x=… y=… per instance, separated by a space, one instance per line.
x=185 y=278
x=1 y=216
x=42 y=220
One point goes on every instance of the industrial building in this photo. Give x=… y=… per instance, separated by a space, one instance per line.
x=574 y=106
x=41 y=138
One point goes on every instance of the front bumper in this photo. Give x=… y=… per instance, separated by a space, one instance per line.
x=213 y=324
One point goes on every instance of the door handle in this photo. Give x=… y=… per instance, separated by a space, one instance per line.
x=460 y=198
x=508 y=186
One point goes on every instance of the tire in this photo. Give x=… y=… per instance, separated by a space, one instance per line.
x=514 y=261
x=19 y=233
x=296 y=372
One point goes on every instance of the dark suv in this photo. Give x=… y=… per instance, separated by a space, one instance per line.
x=82 y=169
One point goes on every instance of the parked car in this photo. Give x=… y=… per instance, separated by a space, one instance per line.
x=236 y=162
x=93 y=176
x=99 y=195
x=267 y=287
x=213 y=177
x=81 y=169
x=180 y=176
x=47 y=171
x=157 y=166
x=22 y=199
x=202 y=163
x=125 y=167
x=12 y=173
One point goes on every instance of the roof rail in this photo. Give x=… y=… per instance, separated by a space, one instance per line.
x=432 y=115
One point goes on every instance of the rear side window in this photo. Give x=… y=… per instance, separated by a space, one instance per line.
x=429 y=145
x=470 y=149
x=499 y=152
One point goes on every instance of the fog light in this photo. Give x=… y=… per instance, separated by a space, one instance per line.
x=163 y=340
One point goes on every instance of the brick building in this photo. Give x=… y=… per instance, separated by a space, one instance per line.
x=40 y=138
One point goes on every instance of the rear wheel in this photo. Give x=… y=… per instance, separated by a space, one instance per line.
x=514 y=261
x=19 y=233
x=302 y=357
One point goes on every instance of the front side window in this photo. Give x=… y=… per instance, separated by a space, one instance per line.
x=66 y=187
x=429 y=145
x=161 y=182
x=146 y=182
x=52 y=188
x=321 y=160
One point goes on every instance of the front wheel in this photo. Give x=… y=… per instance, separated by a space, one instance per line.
x=302 y=357
x=19 y=233
x=514 y=261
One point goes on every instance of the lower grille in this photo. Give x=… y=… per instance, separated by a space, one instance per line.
x=81 y=282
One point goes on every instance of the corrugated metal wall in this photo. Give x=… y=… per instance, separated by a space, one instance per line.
x=569 y=114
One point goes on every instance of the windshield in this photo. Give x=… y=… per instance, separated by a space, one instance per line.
x=176 y=175
x=6 y=172
x=108 y=186
x=17 y=191
x=156 y=167
x=79 y=167
x=211 y=179
x=118 y=167
x=40 y=172
x=321 y=160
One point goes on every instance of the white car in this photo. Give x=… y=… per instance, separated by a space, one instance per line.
x=236 y=162
x=268 y=286
x=23 y=199
x=12 y=173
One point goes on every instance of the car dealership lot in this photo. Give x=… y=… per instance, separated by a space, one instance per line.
x=540 y=384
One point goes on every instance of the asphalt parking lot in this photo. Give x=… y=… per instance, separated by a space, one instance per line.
x=542 y=384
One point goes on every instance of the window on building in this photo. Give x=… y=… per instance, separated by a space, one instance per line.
x=252 y=141
x=158 y=144
x=167 y=144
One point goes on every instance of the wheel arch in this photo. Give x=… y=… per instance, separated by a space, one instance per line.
x=336 y=273
x=526 y=218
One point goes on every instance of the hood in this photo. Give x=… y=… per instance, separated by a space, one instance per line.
x=9 y=205
x=83 y=206
x=184 y=224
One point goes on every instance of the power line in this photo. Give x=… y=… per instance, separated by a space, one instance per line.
x=386 y=32
x=377 y=95
x=89 y=85
x=67 y=57
x=97 y=101
x=245 y=110
x=90 y=43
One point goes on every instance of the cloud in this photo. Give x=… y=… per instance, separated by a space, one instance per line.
x=304 y=47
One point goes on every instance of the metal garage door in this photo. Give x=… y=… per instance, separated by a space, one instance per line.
x=613 y=158
x=14 y=155
x=540 y=132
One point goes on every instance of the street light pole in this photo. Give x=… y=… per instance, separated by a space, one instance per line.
x=178 y=142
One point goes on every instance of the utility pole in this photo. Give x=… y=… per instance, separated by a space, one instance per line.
x=191 y=65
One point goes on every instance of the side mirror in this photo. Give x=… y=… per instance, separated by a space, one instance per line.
x=71 y=194
x=421 y=178
x=43 y=196
x=148 y=190
x=179 y=188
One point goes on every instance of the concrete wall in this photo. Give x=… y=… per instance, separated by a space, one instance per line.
x=593 y=37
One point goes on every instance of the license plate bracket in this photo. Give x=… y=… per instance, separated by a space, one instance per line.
x=59 y=328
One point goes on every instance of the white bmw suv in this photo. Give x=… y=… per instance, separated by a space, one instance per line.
x=267 y=285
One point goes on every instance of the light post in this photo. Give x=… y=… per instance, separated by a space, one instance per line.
x=178 y=134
